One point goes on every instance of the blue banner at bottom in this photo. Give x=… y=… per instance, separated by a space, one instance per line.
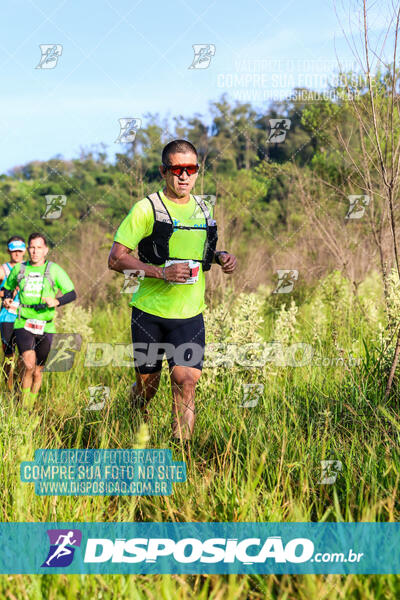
x=191 y=548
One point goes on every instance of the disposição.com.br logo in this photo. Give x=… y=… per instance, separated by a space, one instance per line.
x=63 y=543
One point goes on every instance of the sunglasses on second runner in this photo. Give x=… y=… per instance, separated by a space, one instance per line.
x=179 y=169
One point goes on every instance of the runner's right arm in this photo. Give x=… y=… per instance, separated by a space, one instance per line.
x=137 y=225
x=64 y=284
x=120 y=260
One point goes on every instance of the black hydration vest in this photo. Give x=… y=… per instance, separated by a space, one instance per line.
x=155 y=247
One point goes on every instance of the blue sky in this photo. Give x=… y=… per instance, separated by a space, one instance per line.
x=125 y=58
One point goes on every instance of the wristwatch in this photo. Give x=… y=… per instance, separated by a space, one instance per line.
x=217 y=256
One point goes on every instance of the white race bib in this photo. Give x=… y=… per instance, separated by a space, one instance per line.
x=35 y=326
x=193 y=264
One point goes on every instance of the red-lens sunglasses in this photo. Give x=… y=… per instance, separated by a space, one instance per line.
x=179 y=169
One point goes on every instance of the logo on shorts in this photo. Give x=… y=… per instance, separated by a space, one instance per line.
x=63 y=543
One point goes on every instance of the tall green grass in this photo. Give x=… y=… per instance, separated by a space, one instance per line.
x=256 y=464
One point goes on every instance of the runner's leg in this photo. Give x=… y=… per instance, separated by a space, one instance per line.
x=188 y=339
x=8 y=341
x=29 y=365
x=144 y=388
x=183 y=383
x=26 y=348
x=42 y=350
x=146 y=330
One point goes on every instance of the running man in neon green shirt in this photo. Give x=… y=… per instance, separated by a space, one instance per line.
x=176 y=239
x=38 y=281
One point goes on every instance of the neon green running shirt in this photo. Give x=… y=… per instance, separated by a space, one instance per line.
x=33 y=288
x=156 y=296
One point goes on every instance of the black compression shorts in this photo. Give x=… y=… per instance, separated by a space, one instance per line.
x=182 y=340
x=41 y=344
x=8 y=338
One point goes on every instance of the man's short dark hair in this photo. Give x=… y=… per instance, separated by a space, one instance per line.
x=15 y=238
x=177 y=146
x=34 y=236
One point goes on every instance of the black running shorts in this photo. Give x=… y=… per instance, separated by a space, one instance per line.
x=8 y=338
x=181 y=340
x=41 y=344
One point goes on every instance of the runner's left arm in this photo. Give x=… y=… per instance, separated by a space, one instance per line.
x=137 y=225
x=63 y=283
x=66 y=298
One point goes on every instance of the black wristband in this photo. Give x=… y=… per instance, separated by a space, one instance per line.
x=217 y=256
x=66 y=298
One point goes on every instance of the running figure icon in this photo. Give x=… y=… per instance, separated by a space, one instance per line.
x=62 y=549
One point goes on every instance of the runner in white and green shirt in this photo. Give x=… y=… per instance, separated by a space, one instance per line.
x=176 y=239
x=38 y=282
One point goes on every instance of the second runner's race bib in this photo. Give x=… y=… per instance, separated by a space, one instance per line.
x=194 y=265
x=35 y=326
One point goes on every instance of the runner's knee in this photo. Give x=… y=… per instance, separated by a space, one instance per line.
x=147 y=386
x=29 y=364
x=186 y=380
x=37 y=374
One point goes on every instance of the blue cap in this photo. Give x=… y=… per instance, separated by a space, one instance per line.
x=16 y=245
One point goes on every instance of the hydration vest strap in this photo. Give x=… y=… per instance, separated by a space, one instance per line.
x=162 y=215
x=212 y=235
x=205 y=210
x=46 y=275
x=21 y=273
x=20 y=276
x=160 y=211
